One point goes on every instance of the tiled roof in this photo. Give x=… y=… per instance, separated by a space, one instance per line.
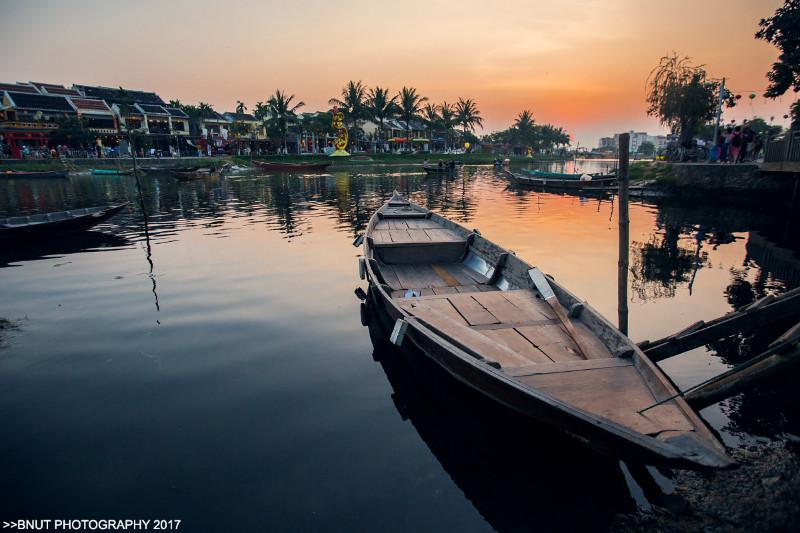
x=151 y=109
x=175 y=112
x=48 y=85
x=17 y=87
x=241 y=116
x=115 y=96
x=88 y=103
x=62 y=91
x=40 y=102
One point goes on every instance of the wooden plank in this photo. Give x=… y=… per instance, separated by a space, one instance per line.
x=513 y=340
x=464 y=337
x=419 y=236
x=381 y=236
x=389 y=276
x=444 y=290
x=400 y=236
x=457 y=271
x=382 y=225
x=448 y=278
x=552 y=340
x=397 y=224
x=528 y=302
x=409 y=279
x=422 y=224
x=568 y=366
x=443 y=235
x=500 y=307
x=473 y=312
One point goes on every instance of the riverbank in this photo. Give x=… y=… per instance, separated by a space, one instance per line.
x=761 y=494
x=373 y=159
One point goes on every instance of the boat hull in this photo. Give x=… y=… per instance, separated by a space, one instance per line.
x=11 y=174
x=55 y=228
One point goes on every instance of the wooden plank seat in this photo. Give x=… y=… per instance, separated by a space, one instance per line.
x=512 y=328
x=416 y=240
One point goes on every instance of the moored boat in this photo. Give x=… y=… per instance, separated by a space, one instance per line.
x=298 y=167
x=111 y=172
x=21 y=174
x=46 y=225
x=444 y=169
x=500 y=326
x=590 y=181
x=196 y=174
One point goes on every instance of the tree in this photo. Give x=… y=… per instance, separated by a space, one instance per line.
x=467 y=115
x=176 y=104
x=410 y=102
x=783 y=30
x=282 y=112
x=447 y=119
x=73 y=132
x=240 y=107
x=430 y=115
x=679 y=94
x=646 y=148
x=524 y=130
x=352 y=103
x=380 y=107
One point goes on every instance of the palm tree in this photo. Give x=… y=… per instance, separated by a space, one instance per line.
x=409 y=102
x=430 y=114
x=447 y=119
x=380 y=107
x=467 y=115
x=175 y=103
x=206 y=110
x=352 y=102
x=525 y=126
x=282 y=112
x=240 y=107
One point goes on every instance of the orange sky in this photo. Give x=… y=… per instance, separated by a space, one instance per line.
x=581 y=64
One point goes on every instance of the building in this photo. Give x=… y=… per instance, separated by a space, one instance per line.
x=607 y=143
x=27 y=118
x=637 y=138
x=251 y=127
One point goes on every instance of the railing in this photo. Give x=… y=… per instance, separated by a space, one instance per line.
x=14 y=124
x=784 y=147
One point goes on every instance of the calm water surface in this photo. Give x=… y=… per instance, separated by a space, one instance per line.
x=215 y=369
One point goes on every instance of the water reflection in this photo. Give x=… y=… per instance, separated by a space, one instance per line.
x=514 y=471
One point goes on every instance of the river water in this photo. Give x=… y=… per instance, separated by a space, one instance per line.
x=214 y=369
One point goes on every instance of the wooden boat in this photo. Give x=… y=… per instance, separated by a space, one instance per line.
x=197 y=174
x=499 y=326
x=289 y=167
x=111 y=172
x=561 y=183
x=56 y=223
x=435 y=169
x=21 y=174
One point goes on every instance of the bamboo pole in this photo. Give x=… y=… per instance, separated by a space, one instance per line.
x=624 y=233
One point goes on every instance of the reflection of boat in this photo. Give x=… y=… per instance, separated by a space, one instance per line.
x=508 y=467
x=33 y=249
x=304 y=167
x=47 y=225
x=111 y=172
x=562 y=183
x=480 y=313
x=24 y=174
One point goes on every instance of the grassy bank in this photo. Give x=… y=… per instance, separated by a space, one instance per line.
x=651 y=171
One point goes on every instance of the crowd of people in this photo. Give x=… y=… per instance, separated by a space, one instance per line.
x=737 y=144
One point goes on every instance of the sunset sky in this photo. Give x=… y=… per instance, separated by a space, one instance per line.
x=580 y=64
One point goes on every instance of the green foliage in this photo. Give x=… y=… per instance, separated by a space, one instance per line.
x=647 y=148
x=73 y=132
x=352 y=105
x=679 y=94
x=467 y=114
x=409 y=102
x=379 y=106
x=525 y=133
x=240 y=107
x=762 y=128
x=280 y=113
x=783 y=30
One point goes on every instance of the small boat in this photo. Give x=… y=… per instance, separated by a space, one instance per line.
x=590 y=181
x=289 y=167
x=556 y=175
x=435 y=169
x=111 y=172
x=51 y=224
x=505 y=329
x=197 y=174
x=21 y=174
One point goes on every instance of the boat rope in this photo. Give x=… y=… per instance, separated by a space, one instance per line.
x=750 y=362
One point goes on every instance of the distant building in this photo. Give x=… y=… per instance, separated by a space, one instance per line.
x=636 y=139
x=27 y=117
x=254 y=127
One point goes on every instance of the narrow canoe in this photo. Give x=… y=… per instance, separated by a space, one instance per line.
x=437 y=170
x=473 y=308
x=560 y=183
x=47 y=225
x=305 y=167
x=545 y=174
x=199 y=174
x=25 y=175
x=111 y=172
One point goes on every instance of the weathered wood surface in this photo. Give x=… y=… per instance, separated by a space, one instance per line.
x=758 y=314
x=738 y=380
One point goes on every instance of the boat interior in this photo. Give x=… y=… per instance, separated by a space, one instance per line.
x=432 y=271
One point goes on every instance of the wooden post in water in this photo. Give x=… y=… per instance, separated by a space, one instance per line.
x=624 y=232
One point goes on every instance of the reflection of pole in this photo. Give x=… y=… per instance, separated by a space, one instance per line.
x=624 y=232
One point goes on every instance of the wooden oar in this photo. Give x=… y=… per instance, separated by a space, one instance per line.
x=544 y=288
